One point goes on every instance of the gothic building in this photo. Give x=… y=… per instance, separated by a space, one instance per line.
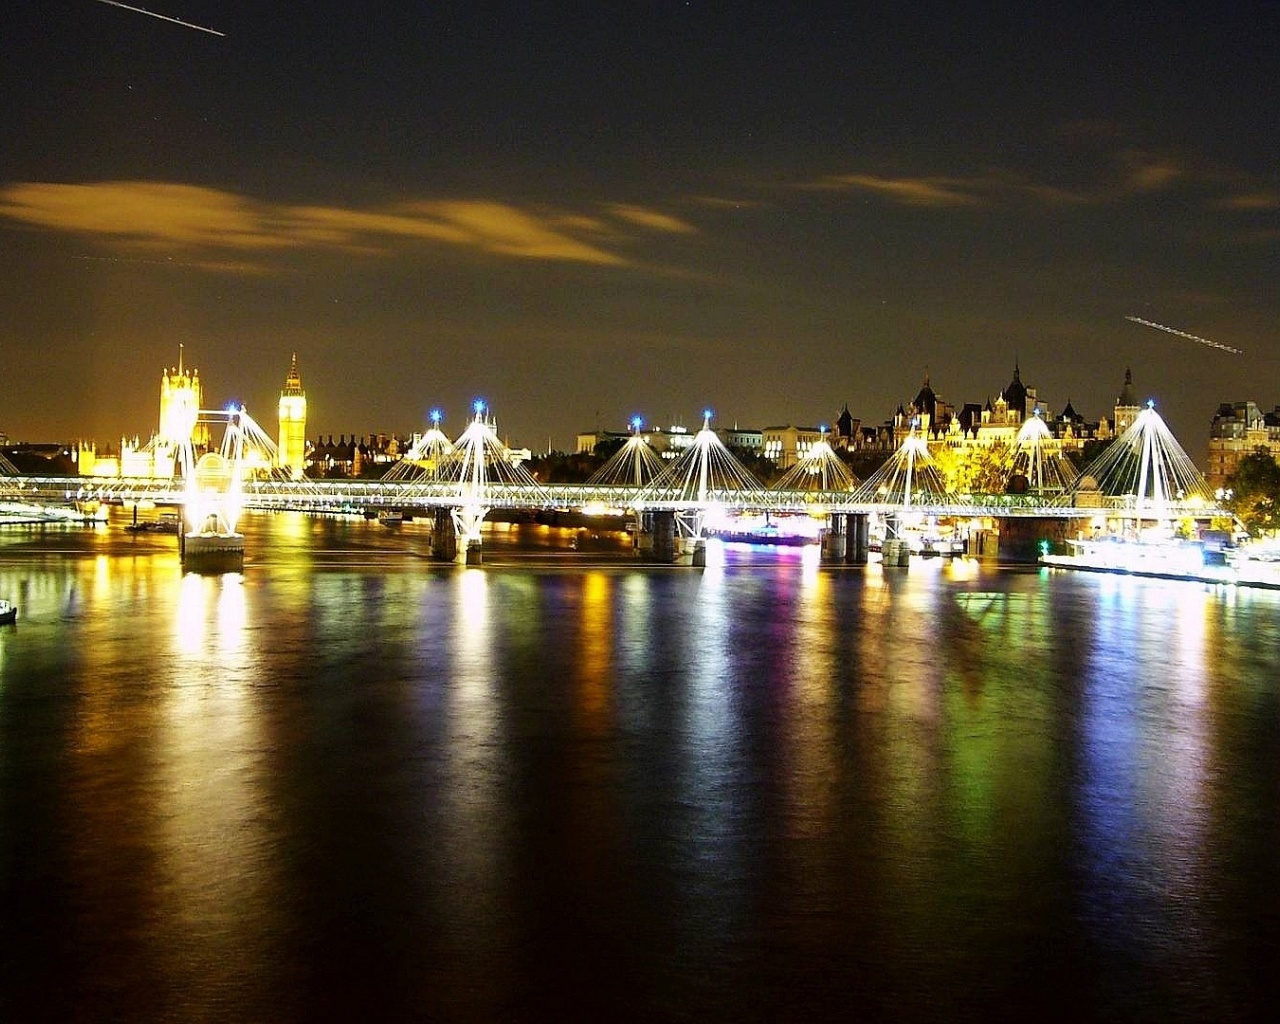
x=291 y=451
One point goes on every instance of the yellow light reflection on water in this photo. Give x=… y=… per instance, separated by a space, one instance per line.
x=808 y=712
x=212 y=809
x=595 y=653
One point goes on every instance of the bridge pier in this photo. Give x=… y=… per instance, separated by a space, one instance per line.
x=858 y=538
x=1021 y=538
x=835 y=539
x=894 y=551
x=656 y=541
x=699 y=556
x=444 y=538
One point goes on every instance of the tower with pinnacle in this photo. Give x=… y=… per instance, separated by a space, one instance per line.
x=292 y=449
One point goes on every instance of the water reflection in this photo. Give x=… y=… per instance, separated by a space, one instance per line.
x=1142 y=799
x=470 y=850
x=764 y=790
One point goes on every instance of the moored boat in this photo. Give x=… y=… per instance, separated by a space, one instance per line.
x=8 y=613
x=767 y=534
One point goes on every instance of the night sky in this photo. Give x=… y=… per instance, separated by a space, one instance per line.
x=584 y=211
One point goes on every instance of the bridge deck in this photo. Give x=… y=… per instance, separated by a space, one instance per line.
x=336 y=495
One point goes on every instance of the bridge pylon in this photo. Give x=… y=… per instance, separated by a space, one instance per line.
x=704 y=479
x=480 y=474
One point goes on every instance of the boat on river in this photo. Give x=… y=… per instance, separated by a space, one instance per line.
x=8 y=613
x=169 y=522
x=766 y=534
x=1171 y=559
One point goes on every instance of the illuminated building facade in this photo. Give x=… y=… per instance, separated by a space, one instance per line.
x=181 y=399
x=1239 y=429
x=787 y=445
x=291 y=450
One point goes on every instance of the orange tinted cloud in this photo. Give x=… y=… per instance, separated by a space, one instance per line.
x=1252 y=201
x=144 y=213
x=656 y=220
x=908 y=191
x=1146 y=173
x=159 y=215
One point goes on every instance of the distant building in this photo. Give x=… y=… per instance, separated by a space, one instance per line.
x=587 y=442
x=926 y=413
x=1127 y=405
x=291 y=451
x=1239 y=429
x=741 y=437
x=667 y=443
x=848 y=431
x=787 y=445
x=181 y=400
x=360 y=455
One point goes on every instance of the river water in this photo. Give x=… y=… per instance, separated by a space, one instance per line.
x=354 y=784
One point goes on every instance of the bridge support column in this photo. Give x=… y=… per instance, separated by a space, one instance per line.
x=444 y=538
x=1023 y=539
x=858 y=540
x=894 y=551
x=699 y=555
x=473 y=555
x=657 y=540
x=835 y=539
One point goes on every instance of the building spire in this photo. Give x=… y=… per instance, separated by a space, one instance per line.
x=293 y=382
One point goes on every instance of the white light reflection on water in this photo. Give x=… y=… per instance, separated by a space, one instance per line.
x=1142 y=795
x=472 y=846
x=710 y=824
x=217 y=860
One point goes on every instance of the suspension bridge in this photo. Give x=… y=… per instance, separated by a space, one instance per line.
x=1144 y=476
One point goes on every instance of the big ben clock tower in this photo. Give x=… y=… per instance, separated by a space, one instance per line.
x=292 y=453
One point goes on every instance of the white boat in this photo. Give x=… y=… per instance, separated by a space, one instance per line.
x=1167 y=559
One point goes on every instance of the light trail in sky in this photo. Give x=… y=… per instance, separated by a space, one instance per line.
x=163 y=17
x=1184 y=334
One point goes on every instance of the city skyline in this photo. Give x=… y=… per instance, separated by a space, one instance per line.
x=581 y=214
x=455 y=419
